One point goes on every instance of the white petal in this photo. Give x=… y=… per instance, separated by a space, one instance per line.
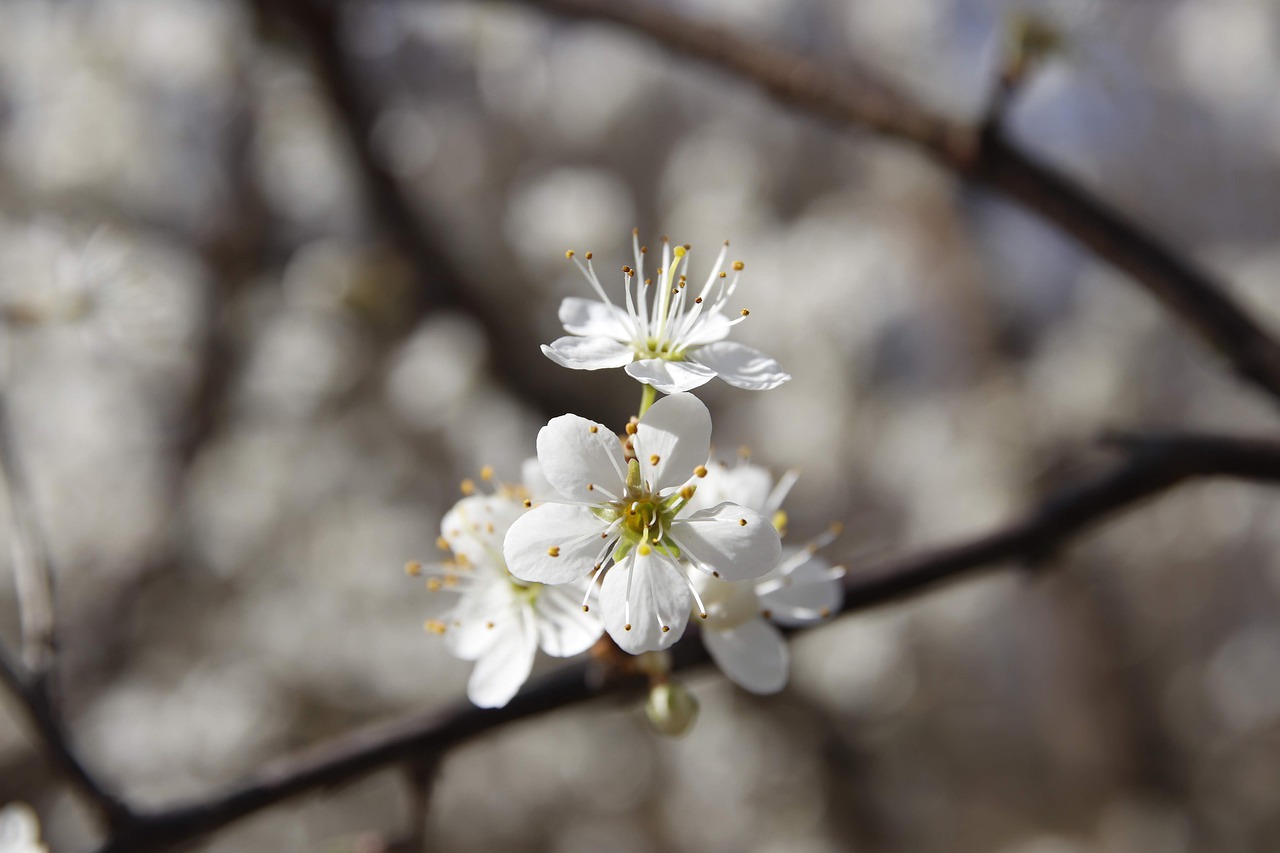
x=593 y=318
x=670 y=377
x=476 y=525
x=573 y=533
x=500 y=672
x=753 y=655
x=574 y=458
x=535 y=482
x=810 y=592
x=672 y=439
x=743 y=484
x=717 y=538
x=740 y=366
x=471 y=628
x=658 y=589
x=19 y=828
x=564 y=629
x=594 y=353
x=708 y=328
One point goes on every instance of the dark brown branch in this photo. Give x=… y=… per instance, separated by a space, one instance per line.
x=440 y=282
x=1151 y=466
x=47 y=725
x=357 y=754
x=1154 y=464
x=981 y=155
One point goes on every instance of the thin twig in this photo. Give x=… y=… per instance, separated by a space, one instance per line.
x=33 y=576
x=47 y=725
x=1152 y=465
x=440 y=282
x=982 y=155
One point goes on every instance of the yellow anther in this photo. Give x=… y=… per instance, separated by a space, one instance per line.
x=434 y=584
x=434 y=626
x=738 y=266
x=553 y=551
x=836 y=528
x=687 y=492
x=745 y=312
x=626 y=627
x=442 y=543
x=702 y=614
x=450 y=581
x=486 y=473
x=665 y=629
x=413 y=568
x=488 y=528
x=780 y=522
x=568 y=254
x=586 y=609
x=644 y=550
x=527 y=503
x=744 y=451
x=631 y=428
x=489 y=625
x=724 y=275
x=742 y=522
x=468 y=487
x=594 y=429
x=588 y=256
x=698 y=301
x=655 y=459
x=591 y=487
x=700 y=471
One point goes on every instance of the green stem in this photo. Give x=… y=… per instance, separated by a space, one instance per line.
x=646 y=400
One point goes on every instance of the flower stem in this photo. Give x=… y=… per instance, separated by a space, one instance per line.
x=647 y=397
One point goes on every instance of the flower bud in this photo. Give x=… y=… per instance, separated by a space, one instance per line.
x=671 y=708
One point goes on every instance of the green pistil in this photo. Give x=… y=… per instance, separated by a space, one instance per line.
x=526 y=592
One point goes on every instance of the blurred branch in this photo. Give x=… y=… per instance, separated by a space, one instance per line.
x=33 y=576
x=982 y=155
x=47 y=725
x=441 y=282
x=356 y=754
x=1152 y=465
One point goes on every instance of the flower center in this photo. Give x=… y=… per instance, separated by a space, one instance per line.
x=645 y=518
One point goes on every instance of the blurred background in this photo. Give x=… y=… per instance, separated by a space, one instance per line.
x=273 y=276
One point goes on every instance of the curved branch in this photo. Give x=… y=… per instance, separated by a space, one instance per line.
x=981 y=155
x=47 y=725
x=1153 y=464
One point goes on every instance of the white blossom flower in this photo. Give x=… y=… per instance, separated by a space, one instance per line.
x=802 y=589
x=500 y=621
x=629 y=519
x=20 y=830
x=667 y=337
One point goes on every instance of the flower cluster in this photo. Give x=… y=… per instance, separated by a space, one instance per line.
x=634 y=533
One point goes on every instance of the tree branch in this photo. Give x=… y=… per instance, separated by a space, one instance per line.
x=441 y=283
x=47 y=725
x=33 y=576
x=1152 y=465
x=982 y=155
